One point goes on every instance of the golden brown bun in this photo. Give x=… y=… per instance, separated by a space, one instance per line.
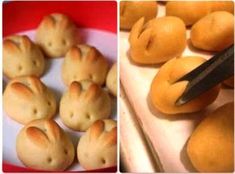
x=229 y=82
x=56 y=34
x=164 y=91
x=111 y=80
x=191 y=11
x=22 y=57
x=213 y=32
x=27 y=98
x=84 y=62
x=97 y=148
x=211 y=146
x=83 y=104
x=43 y=145
x=132 y=11
x=157 y=41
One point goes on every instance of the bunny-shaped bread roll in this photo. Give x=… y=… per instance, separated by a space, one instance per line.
x=83 y=104
x=84 y=62
x=157 y=41
x=43 y=145
x=56 y=34
x=27 y=98
x=22 y=57
x=97 y=148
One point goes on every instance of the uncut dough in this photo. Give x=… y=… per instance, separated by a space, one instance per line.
x=211 y=146
x=22 y=57
x=56 y=34
x=132 y=11
x=84 y=62
x=157 y=41
x=97 y=148
x=43 y=145
x=191 y=11
x=213 y=32
x=83 y=104
x=111 y=80
x=164 y=92
x=27 y=98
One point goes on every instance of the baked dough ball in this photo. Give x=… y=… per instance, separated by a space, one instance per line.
x=27 y=98
x=132 y=11
x=157 y=41
x=56 y=34
x=229 y=82
x=111 y=80
x=164 y=91
x=213 y=32
x=191 y=11
x=211 y=146
x=83 y=104
x=83 y=62
x=43 y=145
x=22 y=57
x=97 y=148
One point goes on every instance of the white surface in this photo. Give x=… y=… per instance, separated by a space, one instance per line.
x=105 y=42
x=168 y=135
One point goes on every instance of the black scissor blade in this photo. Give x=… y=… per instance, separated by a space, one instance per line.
x=208 y=75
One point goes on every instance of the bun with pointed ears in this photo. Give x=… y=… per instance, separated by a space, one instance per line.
x=83 y=104
x=97 y=148
x=22 y=57
x=27 y=98
x=56 y=34
x=84 y=62
x=43 y=145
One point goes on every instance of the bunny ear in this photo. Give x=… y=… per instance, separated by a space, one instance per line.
x=11 y=46
x=37 y=136
x=48 y=21
x=26 y=43
x=145 y=39
x=53 y=130
x=21 y=90
x=74 y=53
x=37 y=86
x=96 y=130
x=75 y=89
x=136 y=30
x=64 y=22
x=92 y=54
x=93 y=92
x=110 y=138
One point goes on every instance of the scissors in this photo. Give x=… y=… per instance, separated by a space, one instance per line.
x=217 y=69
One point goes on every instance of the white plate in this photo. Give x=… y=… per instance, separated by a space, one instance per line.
x=105 y=42
x=168 y=136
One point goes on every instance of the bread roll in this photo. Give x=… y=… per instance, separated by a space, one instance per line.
x=22 y=57
x=56 y=34
x=43 y=145
x=83 y=104
x=157 y=41
x=27 y=98
x=213 y=32
x=164 y=91
x=211 y=146
x=111 y=80
x=132 y=11
x=191 y=11
x=84 y=62
x=97 y=148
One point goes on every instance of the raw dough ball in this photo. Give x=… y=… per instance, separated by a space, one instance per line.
x=97 y=148
x=111 y=80
x=229 y=82
x=191 y=11
x=164 y=91
x=213 y=32
x=157 y=41
x=27 y=98
x=56 y=34
x=132 y=11
x=43 y=145
x=211 y=146
x=22 y=57
x=84 y=62
x=83 y=104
